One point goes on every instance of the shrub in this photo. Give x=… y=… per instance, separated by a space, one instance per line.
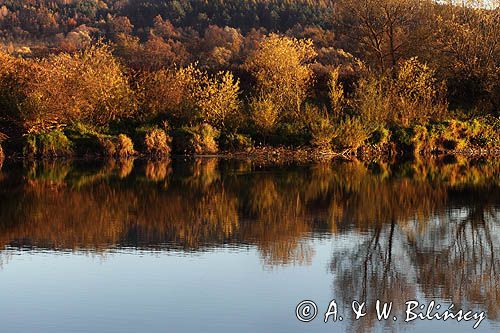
x=119 y=146
x=321 y=128
x=196 y=140
x=350 y=134
x=264 y=114
x=380 y=136
x=336 y=93
x=413 y=97
x=157 y=142
x=217 y=99
x=236 y=141
x=416 y=97
x=189 y=94
x=281 y=67
x=88 y=87
x=51 y=144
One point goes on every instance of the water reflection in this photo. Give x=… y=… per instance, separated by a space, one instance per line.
x=430 y=227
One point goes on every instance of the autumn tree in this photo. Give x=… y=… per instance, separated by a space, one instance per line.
x=190 y=95
x=384 y=30
x=87 y=87
x=468 y=52
x=282 y=70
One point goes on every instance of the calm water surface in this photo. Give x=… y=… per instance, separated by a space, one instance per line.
x=232 y=246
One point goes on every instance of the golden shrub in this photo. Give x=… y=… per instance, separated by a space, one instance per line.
x=412 y=97
x=281 y=67
x=157 y=142
x=88 y=87
x=190 y=94
x=120 y=146
x=264 y=113
x=336 y=93
x=217 y=98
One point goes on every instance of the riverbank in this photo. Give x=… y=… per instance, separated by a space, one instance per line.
x=472 y=138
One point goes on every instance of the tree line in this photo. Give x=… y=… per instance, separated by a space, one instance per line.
x=327 y=73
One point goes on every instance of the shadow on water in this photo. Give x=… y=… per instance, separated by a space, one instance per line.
x=427 y=226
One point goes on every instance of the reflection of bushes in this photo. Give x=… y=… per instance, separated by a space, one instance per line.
x=202 y=205
x=158 y=170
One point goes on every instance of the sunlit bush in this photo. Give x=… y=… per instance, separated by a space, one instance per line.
x=157 y=142
x=412 y=97
x=281 y=68
x=321 y=128
x=350 y=134
x=190 y=95
x=88 y=86
x=198 y=139
x=264 y=114
x=51 y=144
x=119 y=146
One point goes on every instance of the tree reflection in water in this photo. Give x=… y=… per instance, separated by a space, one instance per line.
x=428 y=227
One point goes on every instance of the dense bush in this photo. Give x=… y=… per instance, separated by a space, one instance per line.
x=321 y=127
x=282 y=71
x=188 y=95
x=157 y=142
x=51 y=144
x=88 y=87
x=350 y=134
x=117 y=146
x=411 y=97
x=199 y=140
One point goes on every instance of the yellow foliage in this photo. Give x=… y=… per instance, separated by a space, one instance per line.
x=88 y=87
x=336 y=92
x=187 y=94
x=281 y=67
x=264 y=113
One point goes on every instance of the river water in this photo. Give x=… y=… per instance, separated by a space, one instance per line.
x=215 y=245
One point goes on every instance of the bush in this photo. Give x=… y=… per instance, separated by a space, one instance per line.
x=413 y=97
x=350 y=134
x=196 y=140
x=380 y=136
x=189 y=94
x=88 y=87
x=264 y=114
x=321 y=128
x=119 y=146
x=157 y=142
x=234 y=141
x=282 y=70
x=51 y=144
